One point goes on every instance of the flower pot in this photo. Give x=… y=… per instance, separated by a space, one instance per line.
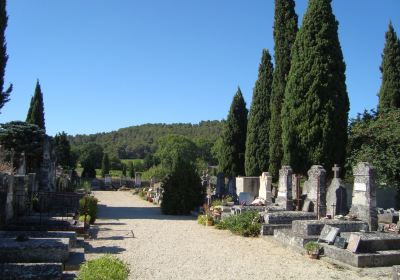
x=209 y=223
x=230 y=203
x=313 y=256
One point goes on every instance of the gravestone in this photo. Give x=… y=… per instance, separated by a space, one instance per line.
x=329 y=233
x=22 y=165
x=265 y=188
x=220 y=189
x=364 y=195
x=248 y=185
x=340 y=242
x=315 y=190
x=232 y=187
x=245 y=198
x=284 y=197
x=107 y=180
x=336 y=197
x=138 y=179
x=47 y=174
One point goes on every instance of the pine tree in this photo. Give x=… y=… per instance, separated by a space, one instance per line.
x=389 y=94
x=105 y=165
x=257 y=142
x=316 y=105
x=233 y=146
x=131 y=169
x=4 y=95
x=36 y=109
x=123 y=169
x=285 y=30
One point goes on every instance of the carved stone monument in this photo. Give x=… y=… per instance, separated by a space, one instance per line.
x=315 y=191
x=284 y=197
x=336 y=197
x=265 y=188
x=364 y=195
x=220 y=189
x=47 y=176
x=138 y=179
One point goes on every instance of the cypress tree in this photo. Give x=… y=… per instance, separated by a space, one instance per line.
x=4 y=95
x=105 y=165
x=389 y=94
x=257 y=142
x=233 y=146
x=131 y=169
x=36 y=108
x=285 y=29
x=316 y=105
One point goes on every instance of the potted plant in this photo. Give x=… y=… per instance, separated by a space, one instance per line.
x=229 y=200
x=209 y=220
x=312 y=249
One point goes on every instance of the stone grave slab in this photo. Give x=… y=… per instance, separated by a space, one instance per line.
x=314 y=227
x=340 y=242
x=30 y=271
x=42 y=234
x=329 y=233
x=245 y=197
x=354 y=242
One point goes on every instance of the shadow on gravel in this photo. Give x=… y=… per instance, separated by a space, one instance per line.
x=103 y=249
x=151 y=213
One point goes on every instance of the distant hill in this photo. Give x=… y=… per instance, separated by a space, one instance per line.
x=137 y=141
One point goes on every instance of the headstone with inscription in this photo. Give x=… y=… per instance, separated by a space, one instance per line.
x=284 y=197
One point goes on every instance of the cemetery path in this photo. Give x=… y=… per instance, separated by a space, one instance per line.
x=169 y=247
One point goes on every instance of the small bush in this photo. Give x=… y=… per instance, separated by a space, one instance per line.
x=312 y=247
x=143 y=194
x=82 y=218
x=245 y=224
x=201 y=219
x=217 y=202
x=104 y=268
x=91 y=207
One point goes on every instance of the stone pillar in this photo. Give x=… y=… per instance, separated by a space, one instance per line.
x=364 y=195
x=265 y=188
x=284 y=198
x=19 y=193
x=317 y=189
x=138 y=179
x=336 y=197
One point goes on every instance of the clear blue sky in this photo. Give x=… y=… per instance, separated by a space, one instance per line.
x=105 y=65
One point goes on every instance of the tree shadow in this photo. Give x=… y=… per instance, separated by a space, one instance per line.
x=89 y=249
x=151 y=213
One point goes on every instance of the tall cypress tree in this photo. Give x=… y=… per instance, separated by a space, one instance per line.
x=316 y=105
x=36 y=109
x=257 y=142
x=233 y=138
x=105 y=165
x=4 y=95
x=285 y=29
x=389 y=94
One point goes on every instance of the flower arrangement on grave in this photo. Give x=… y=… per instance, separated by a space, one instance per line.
x=313 y=249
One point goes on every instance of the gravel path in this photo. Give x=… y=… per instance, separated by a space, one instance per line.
x=169 y=247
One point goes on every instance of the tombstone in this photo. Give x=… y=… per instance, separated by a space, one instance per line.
x=138 y=179
x=336 y=197
x=232 y=187
x=22 y=165
x=107 y=180
x=284 y=197
x=315 y=190
x=249 y=185
x=220 y=189
x=245 y=198
x=204 y=180
x=329 y=234
x=364 y=195
x=265 y=188
x=47 y=174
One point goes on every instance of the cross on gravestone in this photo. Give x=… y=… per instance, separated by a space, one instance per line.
x=336 y=171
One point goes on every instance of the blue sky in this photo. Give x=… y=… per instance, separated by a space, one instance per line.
x=105 y=65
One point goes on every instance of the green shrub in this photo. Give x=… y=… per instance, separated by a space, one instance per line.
x=216 y=202
x=201 y=219
x=245 y=224
x=312 y=247
x=104 y=268
x=90 y=209
x=82 y=218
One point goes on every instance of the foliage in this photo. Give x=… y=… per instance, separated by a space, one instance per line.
x=4 y=95
x=91 y=156
x=105 y=165
x=201 y=219
x=123 y=171
x=245 y=224
x=216 y=202
x=182 y=190
x=232 y=147
x=174 y=148
x=142 y=194
x=285 y=30
x=82 y=218
x=389 y=94
x=36 y=108
x=316 y=105
x=376 y=139
x=139 y=141
x=257 y=142
x=88 y=206
x=156 y=171
x=312 y=247
x=106 y=267
x=23 y=137
x=131 y=169
x=204 y=147
x=65 y=158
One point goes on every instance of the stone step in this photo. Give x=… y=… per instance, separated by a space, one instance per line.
x=80 y=242
x=267 y=229
x=287 y=217
x=31 y=271
x=76 y=258
x=297 y=242
x=42 y=234
x=314 y=227
x=40 y=250
x=69 y=275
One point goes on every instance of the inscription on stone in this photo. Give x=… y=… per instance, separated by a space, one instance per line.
x=340 y=242
x=360 y=187
x=354 y=241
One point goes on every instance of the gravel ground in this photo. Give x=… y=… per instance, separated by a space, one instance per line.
x=169 y=247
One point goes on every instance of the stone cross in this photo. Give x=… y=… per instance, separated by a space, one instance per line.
x=336 y=171
x=284 y=198
x=364 y=195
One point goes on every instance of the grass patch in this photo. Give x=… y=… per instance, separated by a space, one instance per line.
x=245 y=224
x=104 y=268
